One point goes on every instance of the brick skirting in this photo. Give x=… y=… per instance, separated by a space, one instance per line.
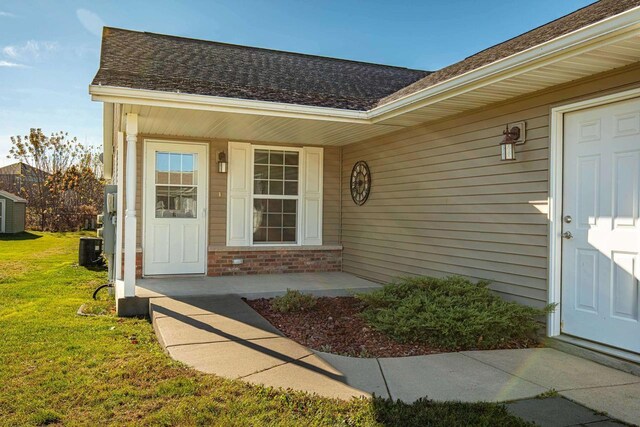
x=138 y=265
x=273 y=261
x=267 y=261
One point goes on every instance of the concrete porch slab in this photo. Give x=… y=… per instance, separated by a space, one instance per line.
x=226 y=305
x=553 y=369
x=254 y=286
x=452 y=376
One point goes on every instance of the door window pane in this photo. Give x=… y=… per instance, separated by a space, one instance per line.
x=176 y=185
x=176 y=202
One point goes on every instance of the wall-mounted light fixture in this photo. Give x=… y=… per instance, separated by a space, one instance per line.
x=513 y=135
x=222 y=162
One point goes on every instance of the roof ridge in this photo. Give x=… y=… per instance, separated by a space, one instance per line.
x=308 y=55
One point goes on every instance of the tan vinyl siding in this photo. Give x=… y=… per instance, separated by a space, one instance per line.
x=443 y=203
x=217 y=196
x=218 y=191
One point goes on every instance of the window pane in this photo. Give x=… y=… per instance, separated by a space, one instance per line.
x=175 y=167
x=189 y=169
x=162 y=168
x=289 y=206
x=291 y=173
x=260 y=187
x=274 y=235
x=276 y=157
x=187 y=162
x=275 y=187
x=291 y=158
x=261 y=172
x=274 y=205
x=276 y=172
x=260 y=235
x=291 y=188
x=162 y=200
x=274 y=220
x=262 y=157
x=188 y=178
x=289 y=220
x=289 y=235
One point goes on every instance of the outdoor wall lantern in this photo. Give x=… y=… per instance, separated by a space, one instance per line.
x=513 y=135
x=222 y=162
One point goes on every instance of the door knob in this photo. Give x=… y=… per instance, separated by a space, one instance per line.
x=568 y=219
x=567 y=235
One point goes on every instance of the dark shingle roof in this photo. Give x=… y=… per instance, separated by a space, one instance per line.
x=581 y=18
x=166 y=63
x=139 y=60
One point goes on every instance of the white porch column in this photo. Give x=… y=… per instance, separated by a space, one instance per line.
x=130 y=219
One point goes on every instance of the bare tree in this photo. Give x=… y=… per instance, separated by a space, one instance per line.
x=64 y=188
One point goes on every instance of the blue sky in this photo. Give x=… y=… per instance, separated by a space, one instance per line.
x=49 y=50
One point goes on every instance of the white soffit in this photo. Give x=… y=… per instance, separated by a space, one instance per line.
x=176 y=122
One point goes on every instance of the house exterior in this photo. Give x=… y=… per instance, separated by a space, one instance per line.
x=12 y=213
x=238 y=160
x=16 y=176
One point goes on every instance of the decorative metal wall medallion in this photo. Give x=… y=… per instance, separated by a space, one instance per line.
x=360 y=182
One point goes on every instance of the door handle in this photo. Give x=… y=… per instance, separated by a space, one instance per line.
x=567 y=235
x=568 y=219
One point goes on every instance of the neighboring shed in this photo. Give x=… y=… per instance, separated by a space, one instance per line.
x=12 y=213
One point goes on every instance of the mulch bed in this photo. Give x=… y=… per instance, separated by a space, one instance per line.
x=334 y=326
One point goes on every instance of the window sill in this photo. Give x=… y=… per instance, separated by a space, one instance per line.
x=274 y=248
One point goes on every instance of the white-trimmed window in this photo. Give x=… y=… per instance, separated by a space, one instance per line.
x=274 y=195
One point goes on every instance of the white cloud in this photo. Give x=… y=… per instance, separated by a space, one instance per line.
x=7 y=14
x=10 y=51
x=31 y=49
x=90 y=21
x=8 y=64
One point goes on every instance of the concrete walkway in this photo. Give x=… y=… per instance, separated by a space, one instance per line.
x=224 y=336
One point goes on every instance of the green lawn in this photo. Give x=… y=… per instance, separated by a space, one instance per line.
x=60 y=368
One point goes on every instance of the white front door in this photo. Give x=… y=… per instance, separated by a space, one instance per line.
x=601 y=226
x=175 y=200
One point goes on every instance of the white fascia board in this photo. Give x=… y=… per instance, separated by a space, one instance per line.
x=217 y=103
x=518 y=63
x=618 y=26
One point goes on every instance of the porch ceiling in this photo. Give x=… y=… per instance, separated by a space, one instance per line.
x=178 y=122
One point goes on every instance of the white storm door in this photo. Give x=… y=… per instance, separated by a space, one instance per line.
x=175 y=208
x=600 y=262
